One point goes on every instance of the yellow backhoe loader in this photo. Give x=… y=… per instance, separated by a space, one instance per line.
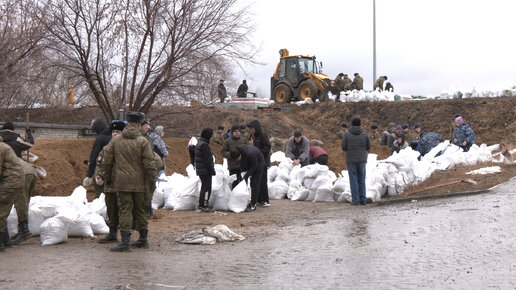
x=299 y=77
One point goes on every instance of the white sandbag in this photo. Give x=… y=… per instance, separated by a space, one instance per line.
x=223 y=234
x=174 y=181
x=187 y=196
x=324 y=194
x=53 y=231
x=98 y=224
x=272 y=173
x=308 y=181
x=98 y=205
x=220 y=196
x=239 y=198
x=196 y=237
x=346 y=196
x=294 y=186
x=78 y=228
x=41 y=208
x=12 y=222
x=278 y=156
x=67 y=214
x=278 y=189
x=283 y=173
x=300 y=194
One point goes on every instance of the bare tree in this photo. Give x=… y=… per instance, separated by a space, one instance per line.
x=141 y=48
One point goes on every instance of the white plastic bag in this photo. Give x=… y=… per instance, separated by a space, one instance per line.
x=53 y=231
x=239 y=197
x=98 y=224
x=78 y=228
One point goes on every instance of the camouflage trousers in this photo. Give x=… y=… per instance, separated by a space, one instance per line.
x=98 y=189
x=21 y=202
x=112 y=209
x=7 y=197
x=129 y=202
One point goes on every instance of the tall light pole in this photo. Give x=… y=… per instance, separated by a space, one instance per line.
x=374 y=42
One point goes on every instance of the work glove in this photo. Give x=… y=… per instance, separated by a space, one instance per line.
x=99 y=180
x=87 y=181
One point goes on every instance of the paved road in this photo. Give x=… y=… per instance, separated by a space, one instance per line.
x=463 y=242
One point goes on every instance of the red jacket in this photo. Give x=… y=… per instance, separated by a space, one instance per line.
x=316 y=152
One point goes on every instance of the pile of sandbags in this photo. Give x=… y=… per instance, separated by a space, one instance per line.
x=54 y=218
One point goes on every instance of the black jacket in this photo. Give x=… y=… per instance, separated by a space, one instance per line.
x=252 y=159
x=101 y=140
x=16 y=142
x=355 y=143
x=204 y=158
x=261 y=141
x=242 y=90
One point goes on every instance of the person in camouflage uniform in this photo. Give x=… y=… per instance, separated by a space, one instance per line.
x=21 y=203
x=230 y=144
x=378 y=84
x=11 y=186
x=338 y=84
x=221 y=90
x=389 y=87
x=348 y=84
x=358 y=82
x=218 y=136
x=129 y=166
x=463 y=136
x=374 y=135
x=244 y=133
x=111 y=201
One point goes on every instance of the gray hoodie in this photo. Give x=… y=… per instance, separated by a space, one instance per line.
x=355 y=143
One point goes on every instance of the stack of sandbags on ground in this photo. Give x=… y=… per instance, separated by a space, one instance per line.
x=55 y=218
x=278 y=187
x=452 y=156
x=311 y=183
x=184 y=193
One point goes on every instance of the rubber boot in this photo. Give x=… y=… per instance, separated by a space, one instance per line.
x=6 y=240
x=142 y=241
x=111 y=237
x=124 y=245
x=2 y=247
x=23 y=233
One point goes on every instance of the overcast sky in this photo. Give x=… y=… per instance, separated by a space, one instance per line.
x=424 y=47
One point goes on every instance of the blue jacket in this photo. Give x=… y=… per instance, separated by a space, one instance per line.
x=464 y=133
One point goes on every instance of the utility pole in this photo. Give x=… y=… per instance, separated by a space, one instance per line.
x=374 y=41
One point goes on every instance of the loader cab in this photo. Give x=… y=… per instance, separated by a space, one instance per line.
x=293 y=69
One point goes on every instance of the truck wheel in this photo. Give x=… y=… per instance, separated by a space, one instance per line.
x=282 y=94
x=308 y=89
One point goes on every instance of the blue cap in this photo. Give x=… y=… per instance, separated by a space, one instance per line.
x=398 y=127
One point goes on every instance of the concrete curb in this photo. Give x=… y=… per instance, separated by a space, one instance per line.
x=435 y=196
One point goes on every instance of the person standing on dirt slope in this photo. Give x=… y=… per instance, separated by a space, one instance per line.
x=252 y=161
x=218 y=137
x=343 y=128
x=358 y=82
x=221 y=90
x=374 y=135
x=262 y=142
x=399 y=144
x=378 y=84
x=387 y=133
x=204 y=167
x=298 y=149
x=21 y=202
x=130 y=168
x=348 y=84
x=356 y=143
x=103 y=137
x=318 y=155
x=14 y=139
x=338 y=84
x=397 y=132
x=112 y=209
x=230 y=144
x=145 y=130
x=242 y=90
x=463 y=135
x=389 y=87
x=11 y=186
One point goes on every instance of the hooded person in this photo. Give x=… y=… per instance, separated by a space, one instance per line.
x=429 y=141
x=252 y=162
x=387 y=133
x=242 y=89
x=204 y=166
x=157 y=140
x=130 y=169
x=298 y=148
x=463 y=135
x=398 y=130
x=232 y=143
x=103 y=138
x=399 y=144
x=14 y=140
x=262 y=142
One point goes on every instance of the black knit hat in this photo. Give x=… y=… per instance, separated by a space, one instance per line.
x=404 y=126
x=8 y=126
x=135 y=117
x=207 y=133
x=98 y=125
x=220 y=128
x=235 y=127
x=417 y=126
x=298 y=133
x=374 y=126
x=234 y=153
x=117 y=125
x=356 y=122
x=344 y=125
x=242 y=127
